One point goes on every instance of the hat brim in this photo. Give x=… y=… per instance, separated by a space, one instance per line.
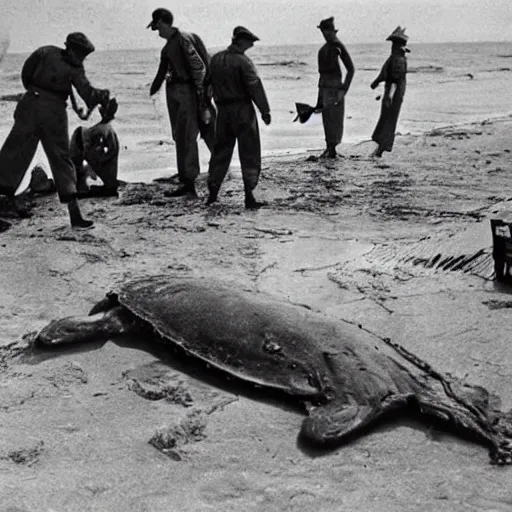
x=398 y=39
x=247 y=37
x=152 y=25
x=79 y=48
x=327 y=28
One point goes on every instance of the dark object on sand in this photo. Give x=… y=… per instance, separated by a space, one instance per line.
x=12 y=97
x=502 y=249
x=304 y=112
x=40 y=183
x=346 y=377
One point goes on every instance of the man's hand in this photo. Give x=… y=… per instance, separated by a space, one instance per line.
x=266 y=118
x=200 y=95
x=103 y=97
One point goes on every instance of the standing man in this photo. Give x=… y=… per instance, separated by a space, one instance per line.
x=40 y=115
x=236 y=85
x=184 y=67
x=331 y=88
x=393 y=74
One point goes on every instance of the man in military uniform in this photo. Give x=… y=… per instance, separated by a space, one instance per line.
x=40 y=115
x=184 y=67
x=236 y=85
x=331 y=89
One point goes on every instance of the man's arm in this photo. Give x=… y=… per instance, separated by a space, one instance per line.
x=160 y=76
x=196 y=65
x=349 y=65
x=254 y=87
x=205 y=57
x=382 y=76
x=87 y=92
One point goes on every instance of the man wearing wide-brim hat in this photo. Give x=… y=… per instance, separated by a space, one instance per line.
x=332 y=89
x=236 y=86
x=40 y=116
x=393 y=74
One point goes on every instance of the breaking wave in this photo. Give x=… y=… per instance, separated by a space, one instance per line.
x=284 y=63
x=426 y=69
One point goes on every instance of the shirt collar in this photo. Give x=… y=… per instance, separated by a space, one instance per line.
x=234 y=48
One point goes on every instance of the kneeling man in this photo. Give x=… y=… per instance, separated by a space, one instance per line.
x=99 y=147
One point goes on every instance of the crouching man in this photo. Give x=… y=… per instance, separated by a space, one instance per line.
x=99 y=147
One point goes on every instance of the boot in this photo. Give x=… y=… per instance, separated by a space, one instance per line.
x=75 y=216
x=250 y=201
x=378 y=152
x=214 y=192
x=186 y=189
x=329 y=152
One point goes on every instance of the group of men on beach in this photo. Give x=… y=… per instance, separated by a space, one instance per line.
x=192 y=80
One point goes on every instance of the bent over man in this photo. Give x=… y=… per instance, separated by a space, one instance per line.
x=331 y=89
x=40 y=115
x=184 y=67
x=236 y=85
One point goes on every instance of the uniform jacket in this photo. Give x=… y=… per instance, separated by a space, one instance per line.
x=180 y=62
x=51 y=71
x=234 y=78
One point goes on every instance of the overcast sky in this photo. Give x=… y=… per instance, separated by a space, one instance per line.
x=113 y=24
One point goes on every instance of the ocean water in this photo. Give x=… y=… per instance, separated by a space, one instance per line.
x=449 y=83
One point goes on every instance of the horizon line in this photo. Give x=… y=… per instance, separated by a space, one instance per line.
x=286 y=44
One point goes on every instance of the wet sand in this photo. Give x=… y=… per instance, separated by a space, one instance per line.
x=354 y=238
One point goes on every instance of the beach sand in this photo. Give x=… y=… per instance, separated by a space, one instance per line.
x=75 y=423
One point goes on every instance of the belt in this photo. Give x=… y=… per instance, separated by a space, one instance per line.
x=179 y=81
x=231 y=101
x=45 y=93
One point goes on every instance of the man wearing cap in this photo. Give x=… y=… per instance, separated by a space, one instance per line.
x=184 y=67
x=40 y=116
x=236 y=85
x=393 y=74
x=331 y=88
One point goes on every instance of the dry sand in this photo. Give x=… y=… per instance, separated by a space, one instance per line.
x=75 y=424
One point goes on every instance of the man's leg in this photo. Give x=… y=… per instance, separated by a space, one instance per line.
x=182 y=105
x=76 y=151
x=55 y=141
x=107 y=171
x=249 y=151
x=18 y=151
x=333 y=114
x=225 y=140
